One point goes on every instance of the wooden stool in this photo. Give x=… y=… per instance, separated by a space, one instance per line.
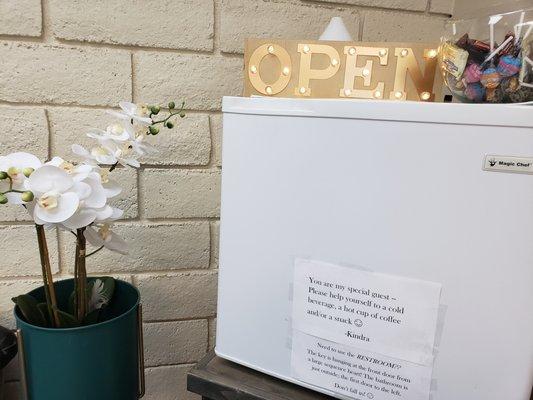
x=217 y=379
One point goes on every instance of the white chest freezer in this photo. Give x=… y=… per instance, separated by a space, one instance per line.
x=407 y=189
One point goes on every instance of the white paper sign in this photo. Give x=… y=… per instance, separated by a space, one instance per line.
x=384 y=314
x=355 y=373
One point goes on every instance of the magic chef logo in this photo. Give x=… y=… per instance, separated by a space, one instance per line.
x=509 y=164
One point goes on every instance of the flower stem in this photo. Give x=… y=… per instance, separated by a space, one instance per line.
x=112 y=168
x=94 y=252
x=170 y=116
x=49 y=289
x=12 y=191
x=81 y=275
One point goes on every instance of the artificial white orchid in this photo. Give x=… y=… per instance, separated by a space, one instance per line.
x=91 y=207
x=15 y=169
x=97 y=155
x=77 y=172
x=119 y=132
x=133 y=112
x=105 y=237
x=57 y=195
x=75 y=197
x=111 y=188
x=112 y=152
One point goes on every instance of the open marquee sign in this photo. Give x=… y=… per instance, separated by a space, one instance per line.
x=323 y=69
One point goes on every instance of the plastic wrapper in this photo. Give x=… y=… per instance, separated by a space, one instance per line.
x=490 y=59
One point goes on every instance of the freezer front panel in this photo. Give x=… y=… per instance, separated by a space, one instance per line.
x=383 y=186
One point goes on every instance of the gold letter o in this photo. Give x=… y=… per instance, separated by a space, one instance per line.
x=285 y=72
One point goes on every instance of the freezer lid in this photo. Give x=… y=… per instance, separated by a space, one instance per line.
x=512 y=115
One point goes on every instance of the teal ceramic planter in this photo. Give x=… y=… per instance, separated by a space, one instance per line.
x=92 y=362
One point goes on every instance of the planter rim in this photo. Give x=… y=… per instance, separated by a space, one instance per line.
x=80 y=328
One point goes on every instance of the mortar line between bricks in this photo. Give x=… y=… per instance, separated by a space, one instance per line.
x=362 y=18
x=132 y=72
x=6 y=103
x=161 y=273
x=23 y=278
x=140 y=195
x=132 y=221
x=16 y=223
x=130 y=47
x=171 y=365
x=200 y=168
x=216 y=27
x=211 y=143
x=46 y=33
x=229 y=54
x=363 y=7
x=182 y=220
x=81 y=44
x=174 y=365
x=49 y=129
x=14 y=278
x=212 y=247
x=159 y=321
x=42 y=20
x=18 y=38
x=428 y=7
x=156 y=273
x=135 y=221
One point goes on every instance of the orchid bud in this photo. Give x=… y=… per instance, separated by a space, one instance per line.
x=3 y=199
x=182 y=115
x=155 y=109
x=169 y=125
x=3 y=175
x=27 y=196
x=27 y=172
x=171 y=105
x=154 y=130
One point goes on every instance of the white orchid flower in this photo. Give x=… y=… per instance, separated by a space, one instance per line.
x=14 y=165
x=97 y=155
x=117 y=214
x=117 y=132
x=104 y=236
x=98 y=198
x=109 y=152
x=57 y=195
x=133 y=112
x=140 y=146
x=122 y=152
x=108 y=214
x=77 y=172
x=81 y=218
x=91 y=207
x=111 y=188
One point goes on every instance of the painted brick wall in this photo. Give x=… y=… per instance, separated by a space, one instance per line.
x=63 y=62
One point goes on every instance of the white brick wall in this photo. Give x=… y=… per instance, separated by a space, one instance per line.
x=63 y=62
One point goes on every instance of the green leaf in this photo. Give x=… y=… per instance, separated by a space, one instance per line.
x=99 y=292
x=29 y=309
x=66 y=320
x=43 y=308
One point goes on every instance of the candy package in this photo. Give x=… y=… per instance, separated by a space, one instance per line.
x=490 y=60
